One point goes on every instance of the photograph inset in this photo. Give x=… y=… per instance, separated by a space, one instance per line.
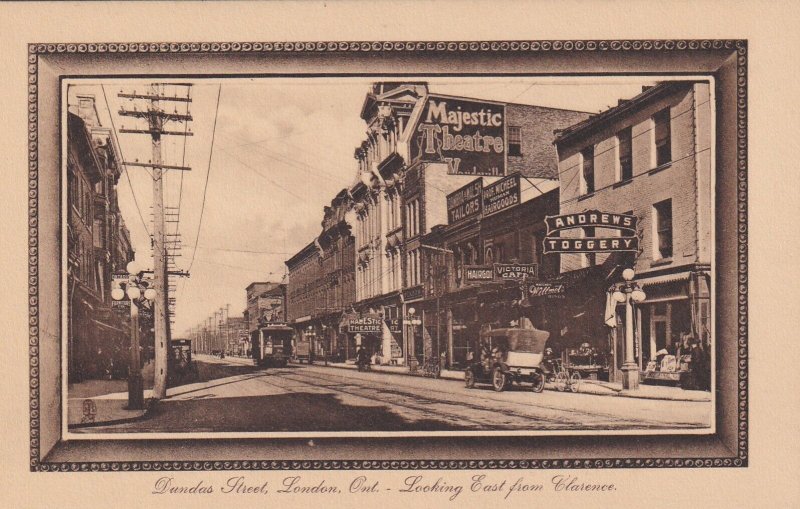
x=445 y=255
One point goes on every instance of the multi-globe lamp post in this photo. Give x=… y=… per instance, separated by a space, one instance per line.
x=136 y=289
x=414 y=321
x=629 y=292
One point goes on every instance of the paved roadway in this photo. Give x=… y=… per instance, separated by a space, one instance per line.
x=317 y=398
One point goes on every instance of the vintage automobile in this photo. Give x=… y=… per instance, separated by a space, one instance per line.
x=504 y=356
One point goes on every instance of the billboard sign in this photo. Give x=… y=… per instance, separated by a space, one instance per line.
x=465 y=202
x=467 y=135
x=501 y=195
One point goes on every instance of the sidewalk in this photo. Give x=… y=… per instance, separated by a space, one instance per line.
x=585 y=387
x=101 y=402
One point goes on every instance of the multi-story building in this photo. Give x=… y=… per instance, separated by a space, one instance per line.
x=266 y=303
x=420 y=147
x=98 y=244
x=322 y=284
x=650 y=156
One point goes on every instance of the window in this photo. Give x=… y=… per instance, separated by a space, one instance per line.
x=587 y=170
x=663 y=141
x=514 y=141
x=412 y=218
x=625 y=154
x=663 y=224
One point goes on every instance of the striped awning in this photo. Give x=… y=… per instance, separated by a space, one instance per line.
x=677 y=277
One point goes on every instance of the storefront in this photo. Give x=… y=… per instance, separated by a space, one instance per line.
x=670 y=321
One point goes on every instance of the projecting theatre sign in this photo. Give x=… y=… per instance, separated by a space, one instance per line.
x=366 y=325
x=467 y=135
x=625 y=223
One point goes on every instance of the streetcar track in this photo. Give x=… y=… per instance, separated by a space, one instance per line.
x=650 y=424
x=566 y=424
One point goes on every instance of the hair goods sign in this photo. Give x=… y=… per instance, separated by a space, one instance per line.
x=467 y=135
x=627 y=241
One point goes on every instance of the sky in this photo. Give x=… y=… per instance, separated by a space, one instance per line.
x=280 y=151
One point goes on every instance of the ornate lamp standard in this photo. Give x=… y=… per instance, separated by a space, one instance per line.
x=133 y=290
x=629 y=292
x=414 y=321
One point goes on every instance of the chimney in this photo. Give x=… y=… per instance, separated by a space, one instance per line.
x=646 y=88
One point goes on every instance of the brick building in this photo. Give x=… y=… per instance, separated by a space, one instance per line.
x=98 y=245
x=650 y=156
x=420 y=147
x=266 y=303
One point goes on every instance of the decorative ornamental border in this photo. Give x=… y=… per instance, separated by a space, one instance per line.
x=36 y=49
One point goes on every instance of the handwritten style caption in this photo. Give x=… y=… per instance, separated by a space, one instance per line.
x=440 y=485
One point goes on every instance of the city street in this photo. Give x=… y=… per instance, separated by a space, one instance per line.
x=317 y=398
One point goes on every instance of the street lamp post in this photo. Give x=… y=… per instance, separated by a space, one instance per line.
x=134 y=292
x=629 y=293
x=414 y=321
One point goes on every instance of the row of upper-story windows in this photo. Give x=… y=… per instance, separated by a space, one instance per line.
x=661 y=152
x=413 y=267
x=412 y=218
x=79 y=194
x=394 y=217
x=662 y=234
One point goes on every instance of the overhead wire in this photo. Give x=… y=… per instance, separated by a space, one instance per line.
x=119 y=146
x=208 y=173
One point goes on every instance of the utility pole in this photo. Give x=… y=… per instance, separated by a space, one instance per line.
x=156 y=118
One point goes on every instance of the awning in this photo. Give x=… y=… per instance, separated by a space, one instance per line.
x=107 y=326
x=677 y=277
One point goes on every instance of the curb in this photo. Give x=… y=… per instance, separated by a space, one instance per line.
x=149 y=404
x=601 y=391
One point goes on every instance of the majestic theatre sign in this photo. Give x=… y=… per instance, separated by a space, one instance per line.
x=467 y=135
x=628 y=240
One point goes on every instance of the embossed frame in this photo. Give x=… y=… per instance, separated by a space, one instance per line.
x=725 y=60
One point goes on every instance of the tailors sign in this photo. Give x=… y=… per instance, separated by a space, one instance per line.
x=464 y=202
x=628 y=240
x=467 y=135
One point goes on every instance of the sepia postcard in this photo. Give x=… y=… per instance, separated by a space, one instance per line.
x=434 y=271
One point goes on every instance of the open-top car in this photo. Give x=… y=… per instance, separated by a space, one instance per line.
x=504 y=356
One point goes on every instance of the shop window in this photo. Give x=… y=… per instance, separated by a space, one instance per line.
x=624 y=139
x=587 y=170
x=514 y=141
x=663 y=225
x=663 y=139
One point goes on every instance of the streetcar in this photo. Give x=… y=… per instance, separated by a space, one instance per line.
x=271 y=345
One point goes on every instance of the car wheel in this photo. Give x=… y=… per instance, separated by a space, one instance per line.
x=574 y=381
x=498 y=380
x=561 y=381
x=469 y=379
x=538 y=383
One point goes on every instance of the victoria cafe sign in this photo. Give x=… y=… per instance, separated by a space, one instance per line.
x=627 y=240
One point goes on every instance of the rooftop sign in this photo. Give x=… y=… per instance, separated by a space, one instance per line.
x=467 y=135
